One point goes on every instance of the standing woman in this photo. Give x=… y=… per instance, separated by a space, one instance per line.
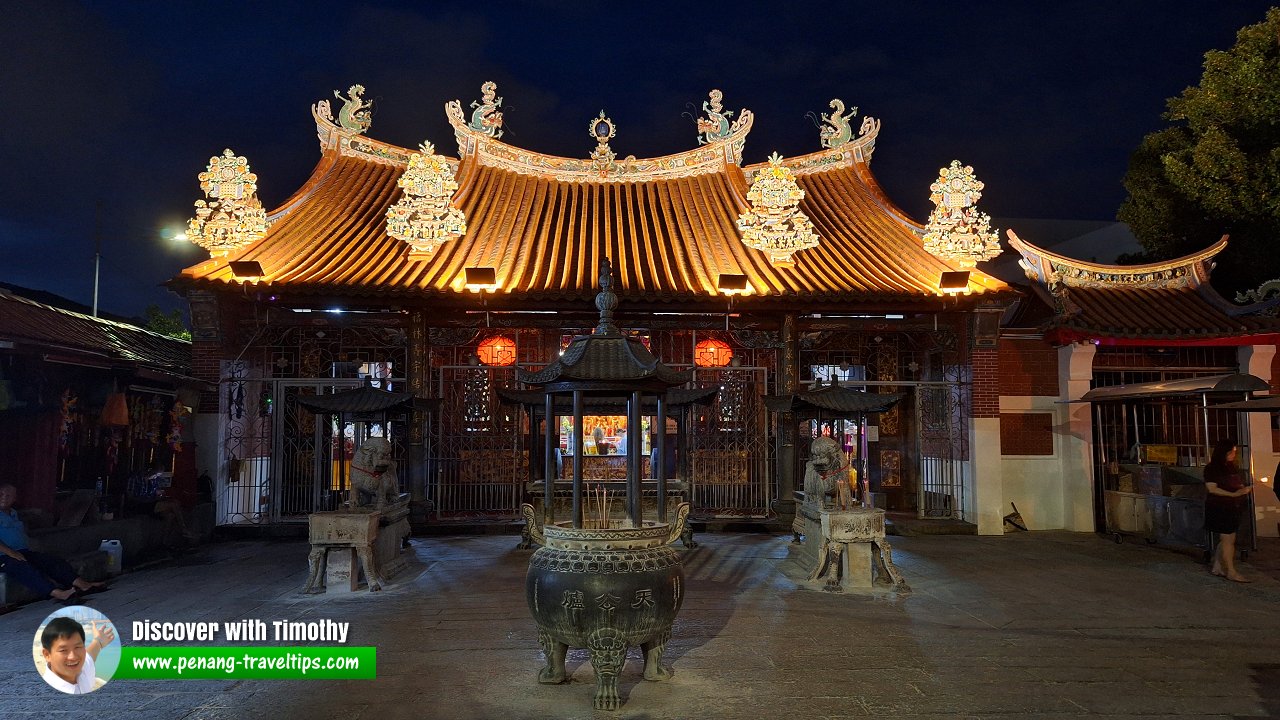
x=1223 y=506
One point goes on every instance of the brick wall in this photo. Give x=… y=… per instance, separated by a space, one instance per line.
x=1026 y=433
x=1028 y=367
x=986 y=383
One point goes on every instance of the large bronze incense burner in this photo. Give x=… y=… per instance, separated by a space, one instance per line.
x=602 y=580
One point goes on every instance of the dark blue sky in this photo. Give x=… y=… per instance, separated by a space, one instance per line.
x=120 y=105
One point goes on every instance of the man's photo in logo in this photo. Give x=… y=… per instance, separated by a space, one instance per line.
x=76 y=650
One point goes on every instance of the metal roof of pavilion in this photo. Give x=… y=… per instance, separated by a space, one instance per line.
x=833 y=398
x=366 y=399
x=606 y=359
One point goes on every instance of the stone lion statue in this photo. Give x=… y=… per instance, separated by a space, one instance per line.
x=373 y=476
x=827 y=473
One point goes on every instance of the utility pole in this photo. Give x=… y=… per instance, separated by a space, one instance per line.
x=97 y=251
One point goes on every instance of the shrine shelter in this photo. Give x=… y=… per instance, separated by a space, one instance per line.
x=414 y=269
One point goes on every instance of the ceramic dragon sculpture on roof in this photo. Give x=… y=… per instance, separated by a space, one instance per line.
x=835 y=129
x=355 y=114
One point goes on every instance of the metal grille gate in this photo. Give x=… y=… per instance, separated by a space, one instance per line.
x=479 y=462
x=730 y=460
x=280 y=459
x=941 y=437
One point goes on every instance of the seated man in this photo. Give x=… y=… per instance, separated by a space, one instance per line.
x=46 y=575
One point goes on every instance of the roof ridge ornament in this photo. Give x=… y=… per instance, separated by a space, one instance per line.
x=603 y=158
x=716 y=125
x=487 y=118
x=774 y=224
x=1269 y=290
x=955 y=230
x=835 y=130
x=356 y=115
x=606 y=300
x=231 y=216
x=423 y=217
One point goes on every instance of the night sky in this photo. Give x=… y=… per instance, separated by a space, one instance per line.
x=111 y=109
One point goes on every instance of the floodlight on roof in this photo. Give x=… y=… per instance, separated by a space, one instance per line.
x=480 y=279
x=954 y=282
x=733 y=284
x=246 y=269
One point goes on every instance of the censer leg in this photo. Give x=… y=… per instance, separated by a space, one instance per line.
x=653 y=669
x=553 y=673
x=608 y=653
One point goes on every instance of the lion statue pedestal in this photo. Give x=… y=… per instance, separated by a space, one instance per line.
x=843 y=542
x=371 y=529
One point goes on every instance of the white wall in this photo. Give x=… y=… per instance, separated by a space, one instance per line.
x=1256 y=360
x=1053 y=492
x=986 y=475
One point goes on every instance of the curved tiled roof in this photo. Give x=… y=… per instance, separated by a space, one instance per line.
x=1170 y=300
x=671 y=229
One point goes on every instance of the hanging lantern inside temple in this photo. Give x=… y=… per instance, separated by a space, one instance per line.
x=115 y=413
x=497 y=350
x=712 y=353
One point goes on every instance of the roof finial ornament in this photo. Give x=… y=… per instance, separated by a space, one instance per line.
x=606 y=300
x=356 y=113
x=602 y=158
x=955 y=229
x=423 y=217
x=835 y=129
x=231 y=216
x=774 y=224
x=487 y=118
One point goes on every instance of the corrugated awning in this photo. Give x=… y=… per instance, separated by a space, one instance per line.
x=1232 y=383
x=1263 y=404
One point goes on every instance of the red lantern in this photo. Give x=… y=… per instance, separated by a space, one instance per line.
x=497 y=350
x=712 y=353
x=116 y=411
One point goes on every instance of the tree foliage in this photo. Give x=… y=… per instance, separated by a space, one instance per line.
x=165 y=323
x=1216 y=170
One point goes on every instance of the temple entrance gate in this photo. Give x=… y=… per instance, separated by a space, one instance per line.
x=941 y=448
x=730 y=459
x=281 y=460
x=479 y=462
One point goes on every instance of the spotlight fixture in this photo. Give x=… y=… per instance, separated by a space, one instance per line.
x=246 y=269
x=733 y=284
x=954 y=282
x=479 y=279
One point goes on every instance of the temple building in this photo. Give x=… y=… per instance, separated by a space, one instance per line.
x=415 y=270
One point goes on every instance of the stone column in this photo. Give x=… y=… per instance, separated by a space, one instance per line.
x=788 y=382
x=1073 y=426
x=1256 y=431
x=420 y=385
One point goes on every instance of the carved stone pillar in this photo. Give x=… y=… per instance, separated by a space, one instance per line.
x=788 y=382
x=420 y=386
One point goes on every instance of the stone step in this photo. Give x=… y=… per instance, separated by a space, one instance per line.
x=909 y=526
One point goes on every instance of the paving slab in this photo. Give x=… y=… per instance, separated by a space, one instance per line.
x=1041 y=625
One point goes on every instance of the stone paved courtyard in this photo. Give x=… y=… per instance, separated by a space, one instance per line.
x=1044 y=625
